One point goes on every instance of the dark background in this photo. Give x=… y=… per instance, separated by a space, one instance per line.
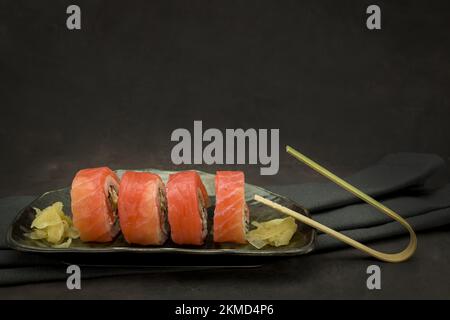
x=112 y=93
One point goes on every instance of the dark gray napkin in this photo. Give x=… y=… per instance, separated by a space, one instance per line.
x=393 y=173
x=9 y=207
x=398 y=179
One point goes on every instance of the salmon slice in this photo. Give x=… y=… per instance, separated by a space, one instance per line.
x=231 y=214
x=143 y=208
x=94 y=204
x=188 y=200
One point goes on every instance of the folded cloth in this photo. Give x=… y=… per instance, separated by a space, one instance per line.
x=363 y=216
x=398 y=179
x=9 y=207
x=393 y=173
x=426 y=221
x=22 y=268
x=395 y=180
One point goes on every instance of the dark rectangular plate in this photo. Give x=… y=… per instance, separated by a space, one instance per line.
x=302 y=242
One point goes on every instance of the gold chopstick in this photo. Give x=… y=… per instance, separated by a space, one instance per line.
x=388 y=257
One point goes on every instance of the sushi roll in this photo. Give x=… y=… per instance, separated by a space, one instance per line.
x=188 y=200
x=143 y=208
x=231 y=214
x=94 y=195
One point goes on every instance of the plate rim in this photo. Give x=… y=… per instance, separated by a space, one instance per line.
x=13 y=244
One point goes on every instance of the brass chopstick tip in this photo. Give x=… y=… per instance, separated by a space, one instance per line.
x=289 y=149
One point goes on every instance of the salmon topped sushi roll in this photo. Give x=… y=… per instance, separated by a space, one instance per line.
x=94 y=196
x=231 y=214
x=188 y=200
x=143 y=208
